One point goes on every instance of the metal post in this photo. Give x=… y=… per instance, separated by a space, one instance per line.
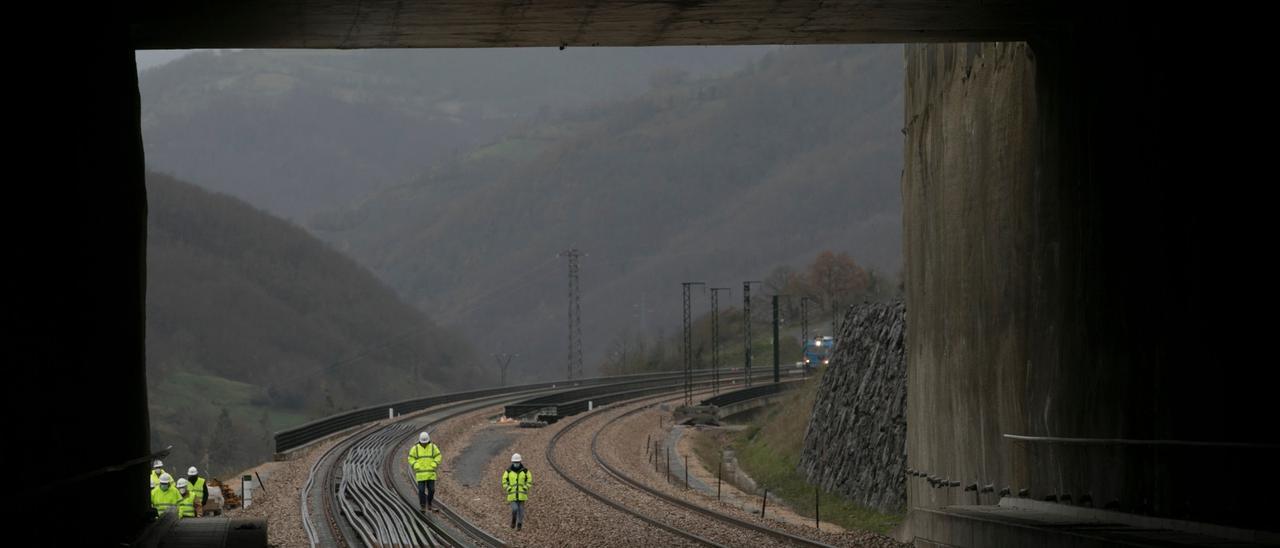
x=777 y=374
x=686 y=472
x=764 y=501
x=575 y=315
x=817 y=508
x=804 y=320
x=835 y=307
x=504 y=362
x=746 y=330
x=715 y=338
x=668 y=465
x=719 y=466
x=688 y=342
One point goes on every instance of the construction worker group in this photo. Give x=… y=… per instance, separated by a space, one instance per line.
x=425 y=457
x=189 y=495
x=187 y=498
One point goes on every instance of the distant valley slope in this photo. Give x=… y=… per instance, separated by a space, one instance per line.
x=699 y=179
x=297 y=132
x=254 y=325
x=457 y=177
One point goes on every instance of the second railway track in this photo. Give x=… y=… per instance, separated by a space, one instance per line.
x=692 y=522
x=354 y=496
x=358 y=494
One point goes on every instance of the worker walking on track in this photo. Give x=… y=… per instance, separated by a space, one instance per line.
x=164 y=498
x=516 y=481
x=198 y=488
x=425 y=457
x=186 y=500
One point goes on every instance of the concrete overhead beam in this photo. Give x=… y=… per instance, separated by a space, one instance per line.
x=345 y=24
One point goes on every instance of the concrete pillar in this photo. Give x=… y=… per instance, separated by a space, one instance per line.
x=1062 y=261
x=76 y=400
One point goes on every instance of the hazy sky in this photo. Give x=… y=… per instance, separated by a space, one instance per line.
x=153 y=58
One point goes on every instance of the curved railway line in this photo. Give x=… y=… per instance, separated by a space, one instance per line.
x=725 y=518
x=712 y=529
x=358 y=493
x=367 y=503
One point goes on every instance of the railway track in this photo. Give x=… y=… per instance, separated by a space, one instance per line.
x=355 y=497
x=358 y=493
x=584 y=488
x=377 y=513
x=665 y=497
x=663 y=510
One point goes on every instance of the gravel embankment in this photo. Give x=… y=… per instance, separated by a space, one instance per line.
x=279 y=502
x=557 y=514
x=574 y=452
x=622 y=446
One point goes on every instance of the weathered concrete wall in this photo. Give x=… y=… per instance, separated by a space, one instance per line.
x=75 y=393
x=968 y=218
x=856 y=441
x=1059 y=275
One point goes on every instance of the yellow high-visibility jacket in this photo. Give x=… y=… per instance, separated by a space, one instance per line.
x=516 y=483
x=165 y=500
x=155 y=477
x=197 y=487
x=186 y=505
x=424 y=459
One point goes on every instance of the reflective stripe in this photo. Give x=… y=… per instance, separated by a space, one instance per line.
x=517 y=484
x=424 y=461
x=197 y=487
x=165 y=500
x=187 y=506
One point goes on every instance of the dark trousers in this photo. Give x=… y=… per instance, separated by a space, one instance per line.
x=517 y=512
x=426 y=492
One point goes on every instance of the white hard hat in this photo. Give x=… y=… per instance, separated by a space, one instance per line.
x=192 y=471
x=515 y=457
x=157 y=464
x=166 y=478
x=182 y=483
x=424 y=437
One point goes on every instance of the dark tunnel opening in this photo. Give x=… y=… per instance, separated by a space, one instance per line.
x=1130 y=313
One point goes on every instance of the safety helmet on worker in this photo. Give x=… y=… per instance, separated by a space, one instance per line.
x=182 y=483
x=193 y=472
x=165 y=480
x=424 y=437
x=515 y=457
x=157 y=464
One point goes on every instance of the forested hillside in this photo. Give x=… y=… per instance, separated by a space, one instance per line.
x=254 y=325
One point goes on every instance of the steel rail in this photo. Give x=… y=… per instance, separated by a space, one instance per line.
x=725 y=518
x=378 y=514
x=361 y=493
x=555 y=465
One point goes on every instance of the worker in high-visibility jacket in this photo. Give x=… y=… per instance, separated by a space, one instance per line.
x=164 y=498
x=198 y=488
x=425 y=457
x=186 y=500
x=516 y=480
x=157 y=469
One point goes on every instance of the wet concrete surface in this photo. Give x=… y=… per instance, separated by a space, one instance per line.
x=469 y=467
